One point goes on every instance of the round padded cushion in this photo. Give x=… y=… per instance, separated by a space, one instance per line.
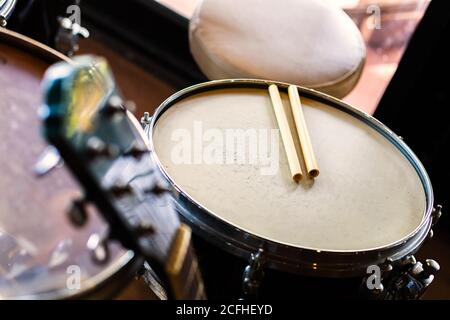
x=304 y=42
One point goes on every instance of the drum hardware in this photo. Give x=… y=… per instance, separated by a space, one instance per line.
x=68 y=35
x=6 y=8
x=406 y=279
x=253 y=275
x=110 y=159
x=146 y=119
x=436 y=214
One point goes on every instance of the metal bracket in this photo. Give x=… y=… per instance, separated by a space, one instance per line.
x=67 y=37
x=253 y=275
x=436 y=214
x=146 y=119
x=405 y=279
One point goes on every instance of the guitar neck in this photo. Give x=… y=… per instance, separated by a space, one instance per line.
x=182 y=268
x=106 y=149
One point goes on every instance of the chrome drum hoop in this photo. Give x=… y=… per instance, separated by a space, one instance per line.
x=284 y=257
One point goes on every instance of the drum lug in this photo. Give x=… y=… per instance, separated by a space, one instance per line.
x=69 y=32
x=407 y=279
x=253 y=275
x=436 y=214
x=146 y=119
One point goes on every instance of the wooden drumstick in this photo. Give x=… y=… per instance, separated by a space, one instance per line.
x=286 y=135
x=302 y=131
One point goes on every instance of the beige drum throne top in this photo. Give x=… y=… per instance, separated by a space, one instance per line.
x=306 y=42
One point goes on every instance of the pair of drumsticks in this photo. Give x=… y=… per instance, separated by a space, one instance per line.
x=301 y=129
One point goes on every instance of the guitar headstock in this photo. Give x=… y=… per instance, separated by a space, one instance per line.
x=104 y=146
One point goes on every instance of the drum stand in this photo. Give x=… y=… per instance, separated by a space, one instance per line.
x=67 y=37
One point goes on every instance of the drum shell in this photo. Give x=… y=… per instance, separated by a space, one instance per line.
x=282 y=257
x=223 y=277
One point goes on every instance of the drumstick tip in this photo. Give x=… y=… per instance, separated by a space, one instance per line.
x=298 y=177
x=314 y=173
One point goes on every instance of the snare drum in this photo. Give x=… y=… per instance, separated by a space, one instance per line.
x=258 y=230
x=42 y=256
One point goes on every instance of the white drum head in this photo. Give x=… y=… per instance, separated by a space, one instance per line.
x=367 y=196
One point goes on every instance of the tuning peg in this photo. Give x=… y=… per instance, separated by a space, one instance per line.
x=136 y=150
x=95 y=147
x=120 y=190
x=99 y=248
x=77 y=212
x=145 y=229
x=436 y=214
x=114 y=106
x=158 y=188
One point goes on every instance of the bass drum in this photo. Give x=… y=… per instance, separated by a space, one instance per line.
x=42 y=256
x=372 y=205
